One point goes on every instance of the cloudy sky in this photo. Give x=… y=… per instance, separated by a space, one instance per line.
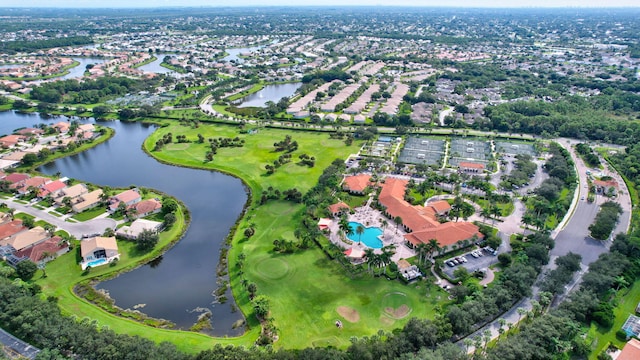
x=457 y=3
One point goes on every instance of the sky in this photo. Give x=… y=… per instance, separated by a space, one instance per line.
x=441 y=3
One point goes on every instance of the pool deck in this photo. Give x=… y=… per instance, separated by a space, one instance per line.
x=369 y=217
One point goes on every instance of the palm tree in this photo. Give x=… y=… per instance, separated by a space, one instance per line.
x=486 y=213
x=398 y=221
x=359 y=231
x=370 y=255
x=521 y=311
x=620 y=281
x=435 y=246
x=422 y=249
x=384 y=225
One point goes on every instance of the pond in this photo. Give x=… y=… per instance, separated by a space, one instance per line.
x=77 y=72
x=180 y=283
x=269 y=93
x=233 y=53
x=155 y=66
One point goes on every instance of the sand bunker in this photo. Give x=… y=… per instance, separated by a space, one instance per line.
x=349 y=314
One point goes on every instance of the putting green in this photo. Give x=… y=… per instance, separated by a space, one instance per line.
x=396 y=305
x=272 y=268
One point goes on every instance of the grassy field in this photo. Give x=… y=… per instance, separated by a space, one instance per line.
x=627 y=302
x=305 y=289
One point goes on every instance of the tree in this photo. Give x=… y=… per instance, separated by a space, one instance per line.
x=249 y=232
x=26 y=269
x=398 y=221
x=169 y=205
x=28 y=222
x=147 y=240
x=29 y=159
x=169 y=220
x=359 y=231
x=261 y=306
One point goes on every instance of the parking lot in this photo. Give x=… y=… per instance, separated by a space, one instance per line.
x=429 y=151
x=482 y=262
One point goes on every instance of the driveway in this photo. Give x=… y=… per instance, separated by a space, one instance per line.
x=94 y=226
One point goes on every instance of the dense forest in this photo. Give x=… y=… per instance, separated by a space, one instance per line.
x=12 y=47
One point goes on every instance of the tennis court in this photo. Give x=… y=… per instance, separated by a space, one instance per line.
x=429 y=151
x=473 y=150
x=515 y=148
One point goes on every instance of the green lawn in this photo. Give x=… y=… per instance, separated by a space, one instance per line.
x=305 y=289
x=64 y=272
x=627 y=302
x=89 y=214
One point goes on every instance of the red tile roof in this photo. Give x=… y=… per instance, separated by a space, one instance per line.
x=37 y=252
x=422 y=221
x=631 y=351
x=440 y=206
x=51 y=187
x=146 y=206
x=471 y=165
x=357 y=183
x=125 y=197
x=338 y=207
x=608 y=183
x=413 y=217
x=446 y=234
x=16 y=177
x=11 y=228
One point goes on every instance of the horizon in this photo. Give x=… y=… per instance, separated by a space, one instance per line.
x=468 y=4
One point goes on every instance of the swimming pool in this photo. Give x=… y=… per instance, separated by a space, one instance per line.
x=369 y=237
x=97 y=262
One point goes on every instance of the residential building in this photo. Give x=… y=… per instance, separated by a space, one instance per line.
x=44 y=251
x=87 y=201
x=94 y=250
x=71 y=192
x=128 y=197
x=630 y=351
x=26 y=239
x=137 y=227
x=338 y=209
x=145 y=208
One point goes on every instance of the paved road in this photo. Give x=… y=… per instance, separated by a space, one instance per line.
x=572 y=235
x=18 y=345
x=94 y=226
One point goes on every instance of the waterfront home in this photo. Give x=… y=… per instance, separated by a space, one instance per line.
x=144 y=208
x=9 y=141
x=87 y=201
x=137 y=227
x=53 y=188
x=71 y=192
x=128 y=197
x=98 y=251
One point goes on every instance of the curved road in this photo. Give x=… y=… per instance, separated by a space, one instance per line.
x=572 y=235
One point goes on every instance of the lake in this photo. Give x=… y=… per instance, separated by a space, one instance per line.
x=182 y=281
x=233 y=53
x=77 y=72
x=155 y=67
x=269 y=93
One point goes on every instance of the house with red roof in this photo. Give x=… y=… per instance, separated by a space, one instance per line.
x=421 y=223
x=630 y=351
x=338 y=209
x=30 y=132
x=357 y=184
x=62 y=127
x=35 y=182
x=16 y=178
x=11 y=140
x=471 y=167
x=128 y=197
x=44 y=251
x=52 y=188
x=145 y=208
x=10 y=229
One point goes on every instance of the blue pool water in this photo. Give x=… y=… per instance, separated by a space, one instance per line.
x=99 y=262
x=369 y=237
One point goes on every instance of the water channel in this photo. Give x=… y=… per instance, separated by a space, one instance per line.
x=182 y=281
x=269 y=93
x=235 y=52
